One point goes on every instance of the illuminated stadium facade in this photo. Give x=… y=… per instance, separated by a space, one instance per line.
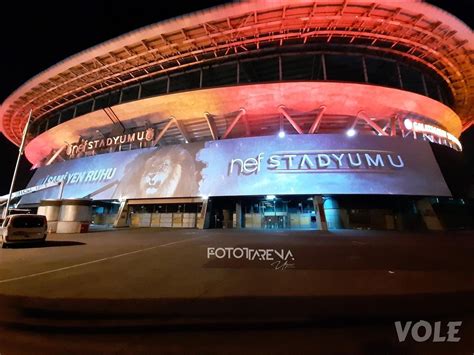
x=259 y=114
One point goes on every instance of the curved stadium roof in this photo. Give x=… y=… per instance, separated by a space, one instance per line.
x=410 y=29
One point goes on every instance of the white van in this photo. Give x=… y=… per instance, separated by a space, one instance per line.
x=21 y=228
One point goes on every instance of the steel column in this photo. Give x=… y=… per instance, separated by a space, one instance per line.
x=163 y=131
x=212 y=125
x=233 y=123
x=317 y=121
x=281 y=109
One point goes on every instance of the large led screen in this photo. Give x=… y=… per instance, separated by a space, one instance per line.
x=295 y=164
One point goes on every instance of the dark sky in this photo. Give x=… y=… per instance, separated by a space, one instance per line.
x=38 y=34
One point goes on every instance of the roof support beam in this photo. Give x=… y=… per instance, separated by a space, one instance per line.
x=349 y=33
x=317 y=120
x=352 y=123
x=393 y=127
x=56 y=155
x=212 y=125
x=233 y=123
x=400 y=124
x=182 y=129
x=113 y=117
x=387 y=125
x=247 y=126
x=163 y=131
x=362 y=115
x=295 y=125
x=428 y=42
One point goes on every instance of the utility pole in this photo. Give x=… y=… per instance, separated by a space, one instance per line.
x=20 y=153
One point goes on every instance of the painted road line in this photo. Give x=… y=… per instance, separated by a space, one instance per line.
x=95 y=261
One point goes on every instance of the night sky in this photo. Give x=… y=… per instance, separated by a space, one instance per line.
x=38 y=34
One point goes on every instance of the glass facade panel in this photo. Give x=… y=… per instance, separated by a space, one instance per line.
x=446 y=95
x=42 y=127
x=130 y=93
x=259 y=70
x=382 y=72
x=186 y=81
x=34 y=128
x=154 y=87
x=84 y=107
x=114 y=98
x=432 y=88
x=67 y=114
x=219 y=75
x=302 y=67
x=53 y=121
x=411 y=79
x=101 y=102
x=344 y=68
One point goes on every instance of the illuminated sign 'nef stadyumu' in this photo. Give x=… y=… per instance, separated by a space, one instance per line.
x=319 y=161
x=146 y=135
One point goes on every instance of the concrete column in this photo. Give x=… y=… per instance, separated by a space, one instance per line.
x=428 y=214
x=227 y=220
x=75 y=216
x=333 y=213
x=50 y=209
x=121 y=220
x=204 y=216
x=399 y=221
x=321 y=223
x=238 y=215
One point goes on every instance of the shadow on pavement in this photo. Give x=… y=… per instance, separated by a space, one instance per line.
x=46 y=244
x=232 y=325
x=227 y=312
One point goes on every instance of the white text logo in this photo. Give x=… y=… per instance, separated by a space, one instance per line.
x=422 y=331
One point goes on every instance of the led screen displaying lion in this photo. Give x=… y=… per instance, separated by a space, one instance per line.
x=162 y=172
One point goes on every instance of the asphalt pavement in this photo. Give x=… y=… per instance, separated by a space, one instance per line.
x=309 y=287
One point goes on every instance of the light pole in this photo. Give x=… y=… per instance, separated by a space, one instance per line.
x=20 y=153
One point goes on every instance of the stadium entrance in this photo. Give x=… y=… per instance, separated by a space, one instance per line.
x=263 y=212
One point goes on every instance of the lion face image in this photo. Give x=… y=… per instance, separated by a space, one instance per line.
x=165 y=172
x=160 y=176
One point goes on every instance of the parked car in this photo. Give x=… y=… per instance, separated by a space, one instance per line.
x=23 y=228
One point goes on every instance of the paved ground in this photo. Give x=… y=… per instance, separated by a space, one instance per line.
x=340 y=290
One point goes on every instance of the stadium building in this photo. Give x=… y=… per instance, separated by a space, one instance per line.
x=259 y=114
